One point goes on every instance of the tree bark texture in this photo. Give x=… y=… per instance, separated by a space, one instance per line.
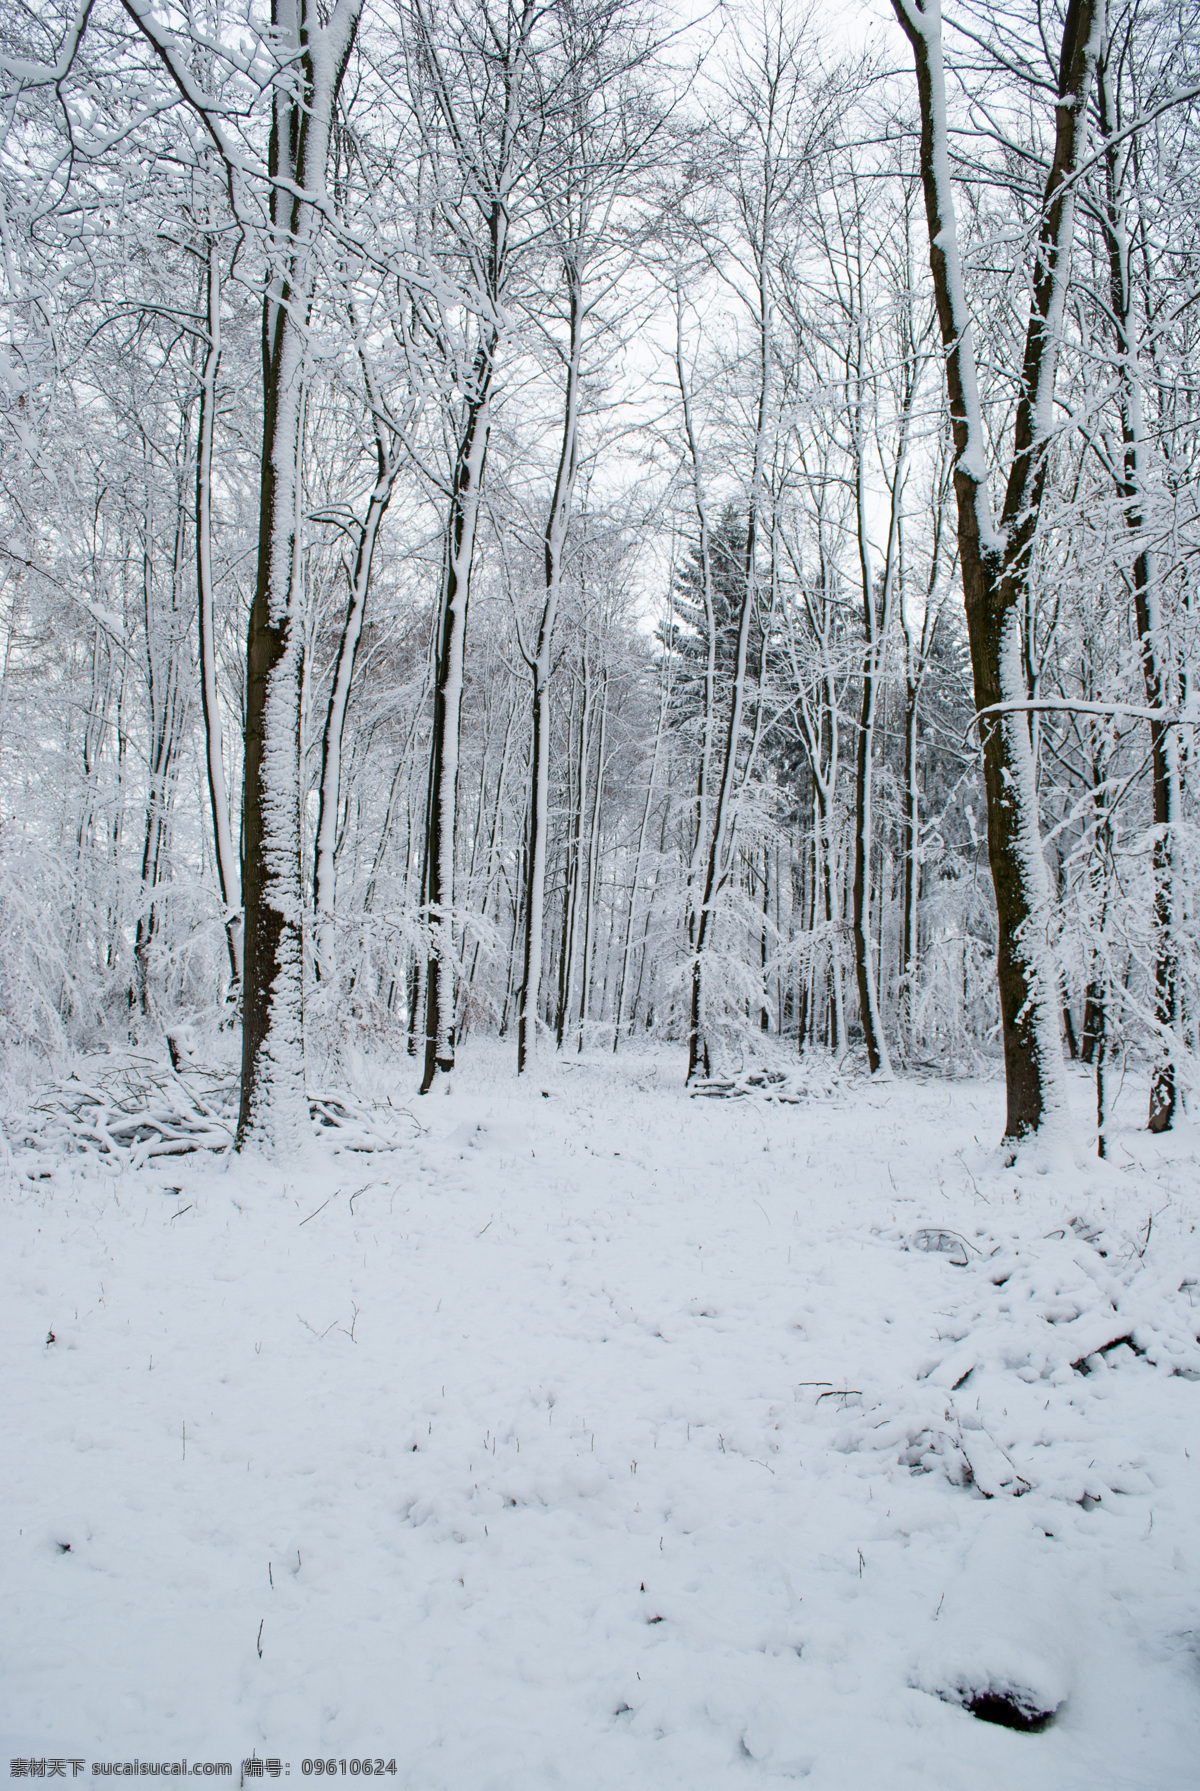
x=447 y=721
x=554 y=543
x=1148 y=621
x=329 y=789
x=274 y=1108
x=995 y=561
x=229 y=877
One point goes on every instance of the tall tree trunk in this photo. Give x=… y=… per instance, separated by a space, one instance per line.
x=1098 y=990
x=645 y=944
x=715 y=869
x=554 y=542
x=387 y=466
x=697 y=1049
x=314 y=52
x=229 y=875
x=493 y=833
x=481 y=134
x=876 y=617
x=996 y=561
x=916 y=663
x=593 y=864
x=715 y=863
x=274 y=1108
x=447 y=720
x=909 y=834
x=764 y=1012
x=574 y=860
x=626 y=945
x=1155 y=665
x=167 y=705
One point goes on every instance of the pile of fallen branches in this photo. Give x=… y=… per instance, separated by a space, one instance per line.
x=804 y=1082
x=349 y=1124
x=126 y=1111
x=1024 y=1346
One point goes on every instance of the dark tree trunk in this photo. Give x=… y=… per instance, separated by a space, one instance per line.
x=447 y=719
x=995 y=563
x=1154 y=673
x=228 y=868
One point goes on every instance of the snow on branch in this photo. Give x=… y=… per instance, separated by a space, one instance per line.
x=1174 y=718
x=18 y=74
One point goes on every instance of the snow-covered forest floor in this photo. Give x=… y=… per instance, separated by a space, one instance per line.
x=602 y=1437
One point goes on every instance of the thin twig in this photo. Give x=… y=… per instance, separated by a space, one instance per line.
x=322 y=1206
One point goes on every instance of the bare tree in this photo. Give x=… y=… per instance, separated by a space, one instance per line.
x=387 y=431
x=310 y=60
x=597 y=130
x=995 y=559
x=1133 y=482
x=774 y=124
x=229 y=874
x=472 y=65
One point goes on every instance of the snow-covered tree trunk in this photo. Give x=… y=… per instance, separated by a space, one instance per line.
x=573 y=875
x=167 y=709
x=447 y=723
x=715 y=862
x=591 y=880
x=387 y=467
x=819 y=721
x=708 y=720
x=918 y=645
x=1155 y=656
x=639 y=856
x=718 y=841
x=995 y=560
x=554 y=543
x=877 y=613
x=274 y=1109
x=478 y=103
x=312 y=52
x=229 y=875
x=494 y=833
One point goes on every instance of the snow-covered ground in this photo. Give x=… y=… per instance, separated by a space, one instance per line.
x=605 y=1438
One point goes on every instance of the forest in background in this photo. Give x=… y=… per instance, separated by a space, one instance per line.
x=488 y=495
